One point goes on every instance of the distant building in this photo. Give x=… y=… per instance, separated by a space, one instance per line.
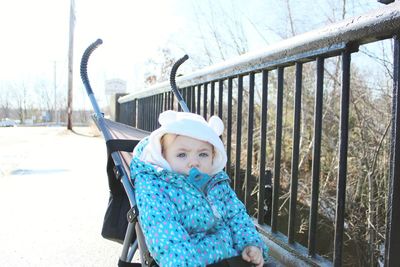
x=112 y=88
x=115 y=86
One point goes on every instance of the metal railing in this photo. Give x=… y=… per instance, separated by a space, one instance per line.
x=219 y=89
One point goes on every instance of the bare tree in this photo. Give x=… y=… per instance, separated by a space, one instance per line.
x=5 y=102
x=21 y=101
x=46 y=96
x=159 y=70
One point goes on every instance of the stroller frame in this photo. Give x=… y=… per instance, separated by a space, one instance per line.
x=117 y=165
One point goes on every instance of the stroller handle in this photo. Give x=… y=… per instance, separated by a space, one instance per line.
x=173 y=83
x=84 y=75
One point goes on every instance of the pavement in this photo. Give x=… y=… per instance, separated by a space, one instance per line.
x=53 y=195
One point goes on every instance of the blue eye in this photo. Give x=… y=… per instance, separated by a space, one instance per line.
x=181 y=155
x=203 y=155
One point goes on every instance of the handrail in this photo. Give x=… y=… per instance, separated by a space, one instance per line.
x=329 y=40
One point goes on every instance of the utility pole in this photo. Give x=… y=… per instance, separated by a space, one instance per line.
x=70 y=62
x=55 y=92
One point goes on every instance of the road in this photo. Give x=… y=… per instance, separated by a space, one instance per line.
x=53 y=195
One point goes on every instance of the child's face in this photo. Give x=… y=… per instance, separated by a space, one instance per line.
x=184 y=153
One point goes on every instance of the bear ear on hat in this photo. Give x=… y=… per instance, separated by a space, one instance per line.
x=216 y=124
x=167 y=117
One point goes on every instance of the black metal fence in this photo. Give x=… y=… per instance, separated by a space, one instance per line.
x=228 y=90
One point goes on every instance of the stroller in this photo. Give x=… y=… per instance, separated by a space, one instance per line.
x=121 y=218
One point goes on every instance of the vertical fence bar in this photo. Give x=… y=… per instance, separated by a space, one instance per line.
x=189 y=98
x=153 y=108
x=158 y=104
x=142 y=104
x=277 y=154
x=193 y=99
x=316 y=158
x=261 y=197
x=229 y=129
x=198 y=99
x=295 y=154
x=120 y=110
x=150 y=112
x=139 y=115
x=160 y=108
x=146 y=114
x=172 y=101
x=134 y=101
x=212 y=104
x=142 y=108
x=263 y=145
x=220 y=98
x=238 y=133
x=165 y=101
x=205 y=96
x=146 y=119
x=250 y=125
x=168 y=100
x=142 y=112
x=392 y=255
x=155 y=112
x=341 y=182
x=157 y=109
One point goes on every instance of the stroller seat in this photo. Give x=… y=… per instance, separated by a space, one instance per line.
x=120 y=143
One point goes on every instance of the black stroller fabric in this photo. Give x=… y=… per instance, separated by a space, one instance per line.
x=115 y=220
x=123 y=140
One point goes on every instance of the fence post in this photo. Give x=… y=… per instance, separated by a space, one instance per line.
x=392 y=256
x=115 y=108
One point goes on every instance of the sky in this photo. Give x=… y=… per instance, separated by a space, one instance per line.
x=37 y=31
x=34 y=47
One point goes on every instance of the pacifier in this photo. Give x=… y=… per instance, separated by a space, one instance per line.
x=198 y=179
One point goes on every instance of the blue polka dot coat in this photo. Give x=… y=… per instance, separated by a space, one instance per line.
x=185 y=226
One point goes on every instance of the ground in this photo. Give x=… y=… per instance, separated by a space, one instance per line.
x=53 y=195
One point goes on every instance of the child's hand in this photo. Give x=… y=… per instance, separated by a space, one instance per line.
x=254 y=255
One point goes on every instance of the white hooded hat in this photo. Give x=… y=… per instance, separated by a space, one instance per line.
x=191 y=125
